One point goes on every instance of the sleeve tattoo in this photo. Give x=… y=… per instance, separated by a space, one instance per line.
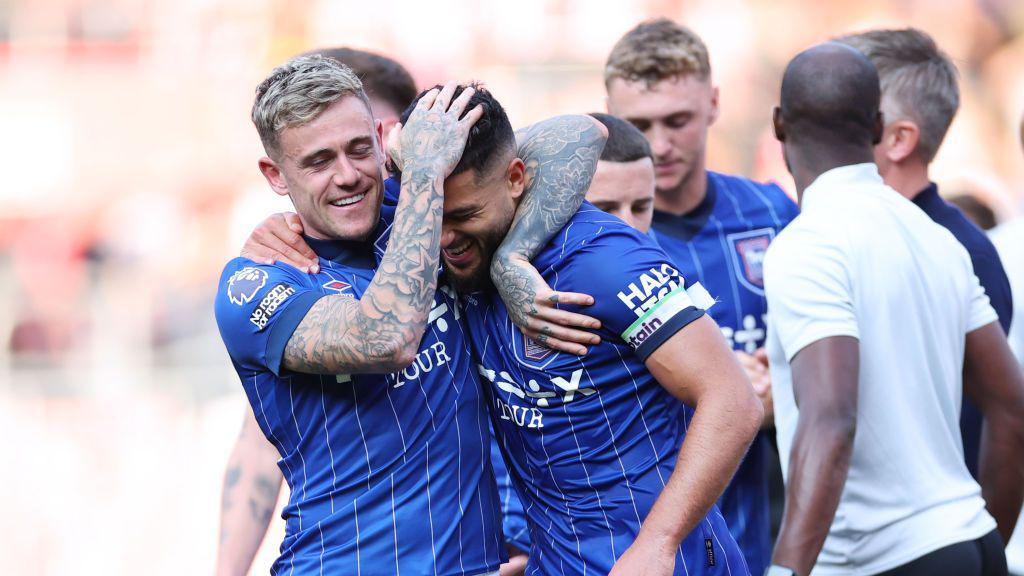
x=560 y=155
x=380 y=331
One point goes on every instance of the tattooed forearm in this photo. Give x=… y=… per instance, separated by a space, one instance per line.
x=382 y=330
x=560 y=155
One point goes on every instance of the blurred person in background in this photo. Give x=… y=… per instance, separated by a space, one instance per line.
x=1009 y=241
x=715 y=227
x=977 y=211
x=920 y=97
x=252 y=480
x=878 y=326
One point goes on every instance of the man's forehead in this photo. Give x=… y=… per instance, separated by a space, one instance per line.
x=342 y=122
x=622 y=181
x=675 y=92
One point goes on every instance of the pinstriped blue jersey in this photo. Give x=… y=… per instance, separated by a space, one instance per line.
x=590 y=442
x=721 y=244
x=389 y=473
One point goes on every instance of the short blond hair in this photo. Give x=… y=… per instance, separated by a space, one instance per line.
x=657 y=50
x=297 y=91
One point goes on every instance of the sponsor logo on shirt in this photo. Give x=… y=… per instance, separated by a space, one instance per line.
x=270 y=303
x=643 y=294
x=661 y=312
x=565 y=389
x=338 y=286
x=748 y=250
x=244 y=284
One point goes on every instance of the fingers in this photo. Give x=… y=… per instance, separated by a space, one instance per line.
x=574 y=298
x=293 y=222
x=557 y=344
x=462 y=101
x=428 y=100
x=444 y=97
x=565 y=318
x=550 y=330
x=281 y=251
x=288 y=228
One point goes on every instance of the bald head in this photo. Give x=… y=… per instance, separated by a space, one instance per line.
x=830 y=95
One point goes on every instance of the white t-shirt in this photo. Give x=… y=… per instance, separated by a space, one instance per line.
x=862 y=261
x=1009 y=241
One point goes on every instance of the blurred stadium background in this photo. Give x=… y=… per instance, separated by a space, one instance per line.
x=130 y=178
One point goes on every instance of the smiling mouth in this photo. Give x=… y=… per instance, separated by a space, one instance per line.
x=457 y=254
x=348 y=201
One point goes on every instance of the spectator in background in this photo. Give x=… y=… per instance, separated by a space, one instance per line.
x=715 y=227
x=920 y=96
x=878 y=323
x=1009 y=241
x=978 y=212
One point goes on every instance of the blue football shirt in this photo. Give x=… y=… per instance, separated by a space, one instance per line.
x=721 y=244
x=389 y=473
x=590 y=442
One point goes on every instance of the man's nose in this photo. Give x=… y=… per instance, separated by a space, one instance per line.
x=447 y=237
x=661 y=146
x=346 y=174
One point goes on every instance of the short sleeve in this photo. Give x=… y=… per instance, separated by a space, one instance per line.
x=981 y=312
x=258 y=308
x=807 y=285
x=638 y=293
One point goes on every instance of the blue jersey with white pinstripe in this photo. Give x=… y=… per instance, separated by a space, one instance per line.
x=389 y=473
x=590 y=442
x=721 y=244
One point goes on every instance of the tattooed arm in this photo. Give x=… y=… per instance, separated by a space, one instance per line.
x=561 y=155
x=252 y=482
x=382 y=330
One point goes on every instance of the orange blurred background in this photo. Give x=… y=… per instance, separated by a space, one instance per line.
x=130 y=178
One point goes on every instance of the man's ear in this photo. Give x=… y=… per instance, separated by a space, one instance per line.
x=378 y=127
x=778 y=127
x=272 y=172
x=900 y=139
x=714 y=106
x=516 y=175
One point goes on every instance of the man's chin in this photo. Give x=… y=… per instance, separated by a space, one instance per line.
x=474 y=281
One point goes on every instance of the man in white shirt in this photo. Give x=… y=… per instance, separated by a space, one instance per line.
x=873 y=326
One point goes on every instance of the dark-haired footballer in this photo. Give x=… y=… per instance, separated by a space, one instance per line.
x=618 y=456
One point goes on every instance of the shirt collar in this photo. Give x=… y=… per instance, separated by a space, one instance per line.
x=354 y=253
x=851 y=174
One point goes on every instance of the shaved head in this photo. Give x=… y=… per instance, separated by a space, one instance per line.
x=830 y=95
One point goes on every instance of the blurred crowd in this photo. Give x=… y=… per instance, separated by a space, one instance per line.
x=135 y=178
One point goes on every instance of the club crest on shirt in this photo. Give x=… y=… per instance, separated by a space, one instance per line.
x=530 y=352
x=244 y=284
x=534 y=350
x=748 y=250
